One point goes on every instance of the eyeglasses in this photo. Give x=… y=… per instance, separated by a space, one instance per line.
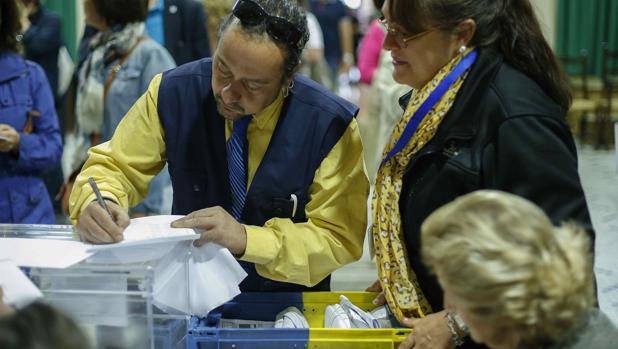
x=251 y=13
x=400 y=38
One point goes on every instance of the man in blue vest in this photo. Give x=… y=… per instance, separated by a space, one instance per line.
x=268 y=163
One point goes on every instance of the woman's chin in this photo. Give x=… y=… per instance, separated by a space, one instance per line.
x=402 y=76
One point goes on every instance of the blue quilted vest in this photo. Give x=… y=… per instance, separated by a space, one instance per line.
x=311 y=122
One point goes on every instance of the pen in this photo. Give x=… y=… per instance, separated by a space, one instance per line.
x=100 y=199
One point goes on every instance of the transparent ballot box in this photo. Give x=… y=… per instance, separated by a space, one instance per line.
x=112 y=301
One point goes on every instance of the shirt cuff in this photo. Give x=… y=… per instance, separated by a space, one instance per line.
x=108 y=196
x=89 y=199
x=262 y=245
x=75 y=217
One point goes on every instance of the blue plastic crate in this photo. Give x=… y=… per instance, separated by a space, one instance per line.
x=204 y=333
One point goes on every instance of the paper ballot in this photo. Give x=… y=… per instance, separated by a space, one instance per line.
x=44 y=253
x=18 y=290
x=195 y=280
x=150 y=230
x=145 y=239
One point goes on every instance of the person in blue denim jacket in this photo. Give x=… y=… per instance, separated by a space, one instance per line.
x=30 y=140
x=122 y=62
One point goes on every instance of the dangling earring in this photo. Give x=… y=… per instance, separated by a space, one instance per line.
x=462 y=49
x=286 y=90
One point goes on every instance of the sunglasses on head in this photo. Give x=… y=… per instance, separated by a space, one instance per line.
x=251 y=13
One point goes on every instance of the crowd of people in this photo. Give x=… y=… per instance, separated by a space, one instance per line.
x=459 y=164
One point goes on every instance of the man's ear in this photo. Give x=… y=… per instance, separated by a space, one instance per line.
x=287 y=80
x=296 y=69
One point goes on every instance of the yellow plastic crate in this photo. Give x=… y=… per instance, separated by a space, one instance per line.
x=315 y=304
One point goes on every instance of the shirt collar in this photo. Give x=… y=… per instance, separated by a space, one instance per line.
x=263 y=118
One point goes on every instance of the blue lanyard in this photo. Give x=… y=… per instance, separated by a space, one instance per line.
x=429 y=103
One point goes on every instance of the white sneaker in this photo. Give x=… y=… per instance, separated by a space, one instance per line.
x=336 y=317
x=291 y=317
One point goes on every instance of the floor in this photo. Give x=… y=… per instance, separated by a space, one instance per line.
x=599 y=173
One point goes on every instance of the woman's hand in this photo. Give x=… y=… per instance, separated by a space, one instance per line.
x=9 y=139
x=430 y=332
x=376 y=287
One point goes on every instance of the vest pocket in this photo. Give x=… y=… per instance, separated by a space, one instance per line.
x=292 y=207
x=189 y=189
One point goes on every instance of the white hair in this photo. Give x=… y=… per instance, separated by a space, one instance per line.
x=505 y=262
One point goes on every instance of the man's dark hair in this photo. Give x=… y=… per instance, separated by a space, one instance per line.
x=10 y=26
x=121 y=12
x=40 y=326
x=286 y=9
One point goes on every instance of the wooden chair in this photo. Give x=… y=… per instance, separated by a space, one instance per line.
x=583 y=108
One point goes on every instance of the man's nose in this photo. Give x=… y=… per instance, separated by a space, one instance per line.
x=230 y=94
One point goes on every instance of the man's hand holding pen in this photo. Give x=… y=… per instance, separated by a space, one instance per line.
x=102 y=221
x=98 y=227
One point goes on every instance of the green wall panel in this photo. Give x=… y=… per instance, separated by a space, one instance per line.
x=584 y=25
x=67 y=9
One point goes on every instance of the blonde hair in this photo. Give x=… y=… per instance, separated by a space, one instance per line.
x=505 y=262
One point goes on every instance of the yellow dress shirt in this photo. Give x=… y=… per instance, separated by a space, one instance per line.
x=301 y=253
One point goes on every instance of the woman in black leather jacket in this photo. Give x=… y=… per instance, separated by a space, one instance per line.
x=486 y=112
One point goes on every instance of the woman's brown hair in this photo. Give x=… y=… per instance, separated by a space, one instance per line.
x=10 y=26
x=508 y=26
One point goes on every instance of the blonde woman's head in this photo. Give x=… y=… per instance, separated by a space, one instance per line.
x=512 y=275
